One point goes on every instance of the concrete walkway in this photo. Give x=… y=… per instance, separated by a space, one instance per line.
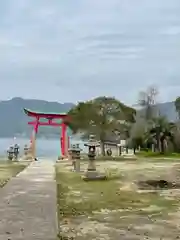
x=28 y=204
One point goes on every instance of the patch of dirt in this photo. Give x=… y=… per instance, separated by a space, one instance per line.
x=157 y=184
x=120 y=225
x=141 y=223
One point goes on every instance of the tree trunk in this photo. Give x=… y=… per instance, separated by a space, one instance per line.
x=153 y=148
x=158 y=142
x=162 y=146
x=126 y=150
x=102 y=140
x=166 y=145
x=179 y=115
x=120 y=150
x=134 y=149
x=103 y=148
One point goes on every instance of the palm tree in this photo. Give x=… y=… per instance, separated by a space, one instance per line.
x=161 y=133
x=177 y=106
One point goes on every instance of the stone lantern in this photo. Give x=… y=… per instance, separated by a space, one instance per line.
x=75 y=156
x=16 y=152
x=10 y=153
x=91 y=173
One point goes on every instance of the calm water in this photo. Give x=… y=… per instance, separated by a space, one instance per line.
x=44 y=147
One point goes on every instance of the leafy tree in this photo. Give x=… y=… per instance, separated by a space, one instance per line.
x=101 y=116
x=137 y=133
x=176 y=137
x=177 y=106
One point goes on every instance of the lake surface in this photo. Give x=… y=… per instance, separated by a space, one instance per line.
x=44 y=147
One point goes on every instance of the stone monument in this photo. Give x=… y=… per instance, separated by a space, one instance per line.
x=74 y=153
x=92 y=173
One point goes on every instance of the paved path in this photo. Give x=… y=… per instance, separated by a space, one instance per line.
x=28 y=204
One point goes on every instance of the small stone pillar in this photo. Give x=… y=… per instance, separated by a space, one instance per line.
x=74 y=154
x=119 y=149
x=91 y=173
x=27 y=152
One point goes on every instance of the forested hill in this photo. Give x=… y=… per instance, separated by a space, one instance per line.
x=13 y=121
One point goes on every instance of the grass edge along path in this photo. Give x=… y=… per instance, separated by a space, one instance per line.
x=76 y=198
x=138 y=157
x=9 y=170
x=149 y=154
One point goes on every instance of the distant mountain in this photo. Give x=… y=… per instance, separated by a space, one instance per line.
x=168 y=109
x=164 y=109
x=13 y=121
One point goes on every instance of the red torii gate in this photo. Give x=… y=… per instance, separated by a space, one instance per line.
x=64 y=143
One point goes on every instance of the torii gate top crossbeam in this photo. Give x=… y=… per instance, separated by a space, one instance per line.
x=48 y=115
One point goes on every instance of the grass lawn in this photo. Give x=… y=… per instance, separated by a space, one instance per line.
x=103 y=210
x=9 y=170
x=113 y=158
x=149 y=154
x=141 y=156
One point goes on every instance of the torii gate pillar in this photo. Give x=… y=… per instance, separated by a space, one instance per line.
x=64 y=139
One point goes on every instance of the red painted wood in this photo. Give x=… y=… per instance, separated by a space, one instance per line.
x=64 y=143
x=64 y=140
x=31 y=113
x=46 y=124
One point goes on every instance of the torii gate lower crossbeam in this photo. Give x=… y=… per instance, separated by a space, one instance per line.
x=64 y=139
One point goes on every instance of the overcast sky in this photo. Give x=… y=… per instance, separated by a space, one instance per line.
x=71 y=50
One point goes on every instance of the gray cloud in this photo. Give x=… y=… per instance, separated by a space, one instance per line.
x=74 y=50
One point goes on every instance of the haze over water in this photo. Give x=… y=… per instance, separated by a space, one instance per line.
x=44 y=147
